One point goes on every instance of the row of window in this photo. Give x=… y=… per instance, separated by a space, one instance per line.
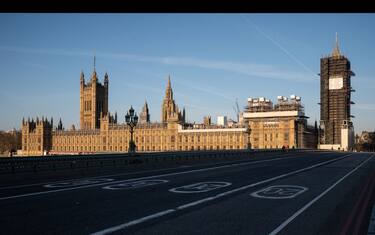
x=144 y=145
x=87 y=105
x=89 y=148
x=87 y=125
x=32 y=140
x=31 y=148
x=145 y=139
x=271 y=137
x=141 y=148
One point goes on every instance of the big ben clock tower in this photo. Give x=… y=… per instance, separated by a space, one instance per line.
x=336 y=127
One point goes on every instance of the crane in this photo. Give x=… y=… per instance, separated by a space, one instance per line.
x=236 y=109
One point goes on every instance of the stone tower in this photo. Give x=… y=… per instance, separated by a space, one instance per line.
x=144 y=116
x=36 y=136
x=170 y=111
x=93 y=100
x=335 y=94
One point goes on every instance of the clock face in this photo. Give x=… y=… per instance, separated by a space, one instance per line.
x=336 y=82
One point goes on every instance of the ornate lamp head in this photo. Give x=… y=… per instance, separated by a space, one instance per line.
x=131 y=111
x=127 y=117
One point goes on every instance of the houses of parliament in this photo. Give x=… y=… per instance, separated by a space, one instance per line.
x=101 y=131
x=261 y=125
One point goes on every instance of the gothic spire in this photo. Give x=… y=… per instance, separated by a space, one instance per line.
x=144 y=116
x=106 y=79
x=336 y=50
x=60 y=125
x=94 y=76
x=168 y=91
x=183 y=115
x=82 y=77
x=94 y=61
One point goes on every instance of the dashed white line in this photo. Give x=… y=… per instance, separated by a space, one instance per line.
x=200 y=187
x=134 y=222
x=195 y=203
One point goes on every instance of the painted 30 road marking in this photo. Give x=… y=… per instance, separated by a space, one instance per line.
x=279 y=192
x=135 y=184
x=200 y=187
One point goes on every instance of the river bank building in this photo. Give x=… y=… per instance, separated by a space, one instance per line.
x=101 y=132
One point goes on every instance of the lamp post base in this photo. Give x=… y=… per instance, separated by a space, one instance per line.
x=132 y=147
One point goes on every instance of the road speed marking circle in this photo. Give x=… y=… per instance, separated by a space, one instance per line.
x=279 y=192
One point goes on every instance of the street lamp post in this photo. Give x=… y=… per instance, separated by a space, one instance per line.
x=131 y=120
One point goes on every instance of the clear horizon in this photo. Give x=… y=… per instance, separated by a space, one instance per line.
x=213 y=59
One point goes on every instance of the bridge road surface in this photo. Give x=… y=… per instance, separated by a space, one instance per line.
x=308 y=193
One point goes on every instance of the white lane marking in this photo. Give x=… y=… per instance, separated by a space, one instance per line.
x=73 y=183
x=279 y=192
x=134 y=222
x=135 y=184
x=141 y=178
x=191 y=204
x=290 y=219
x=200 y=187
x=53 y=182
x=195 y=203
x=135 y=173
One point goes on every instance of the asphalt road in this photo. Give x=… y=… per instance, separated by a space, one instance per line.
x=294 y=193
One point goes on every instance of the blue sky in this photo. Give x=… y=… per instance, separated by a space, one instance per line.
x=213 y=59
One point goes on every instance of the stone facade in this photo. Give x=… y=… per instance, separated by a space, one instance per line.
x=93 y=101
x=280 y=125
x=100 y=132
x=149 y=138
x=36 y=136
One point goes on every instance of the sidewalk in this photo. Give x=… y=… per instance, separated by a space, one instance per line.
x=371 y=226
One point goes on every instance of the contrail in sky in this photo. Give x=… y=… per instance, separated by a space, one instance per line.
x=277 y=44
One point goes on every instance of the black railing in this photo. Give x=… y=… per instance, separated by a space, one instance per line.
x=105 y=160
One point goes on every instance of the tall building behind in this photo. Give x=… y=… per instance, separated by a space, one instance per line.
x=207 y=120
x=93 y=100
x=336 y=127
x=222 y=121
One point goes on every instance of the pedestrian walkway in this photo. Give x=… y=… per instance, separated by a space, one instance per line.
x=371 y=227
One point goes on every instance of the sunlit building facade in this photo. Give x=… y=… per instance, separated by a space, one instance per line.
x=283 y=125
x=100 y=132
